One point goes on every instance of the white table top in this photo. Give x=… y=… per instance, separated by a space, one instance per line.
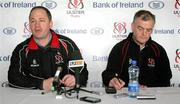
x=163 y=95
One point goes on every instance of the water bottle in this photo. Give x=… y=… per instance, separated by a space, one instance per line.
x=133 y=85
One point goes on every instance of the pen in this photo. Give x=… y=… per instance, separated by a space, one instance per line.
x=117 y=76
x=121 y=82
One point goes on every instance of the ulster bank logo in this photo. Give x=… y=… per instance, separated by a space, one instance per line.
x=26 y=30
x=119 y=30
x=177 y=8
x=177 y=58
x=9 y=31
x=75 y=8
x=75 y=4
x=26 y=27
x=177 y=4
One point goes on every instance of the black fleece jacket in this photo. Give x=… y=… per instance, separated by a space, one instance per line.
x=31 y=64
x=152 y=60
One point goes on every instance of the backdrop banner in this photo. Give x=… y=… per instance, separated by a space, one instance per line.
x=95 y=26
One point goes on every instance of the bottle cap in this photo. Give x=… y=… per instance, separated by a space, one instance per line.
x=134 y=62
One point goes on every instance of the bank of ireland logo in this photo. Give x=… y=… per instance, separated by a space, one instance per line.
x=49 y=4
x=75 y=4
x=177 y=58
x=177 y=4
x=97 y=31
x=9 y=31
x=156 y=4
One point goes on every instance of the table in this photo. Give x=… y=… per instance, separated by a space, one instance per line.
x=164 y=95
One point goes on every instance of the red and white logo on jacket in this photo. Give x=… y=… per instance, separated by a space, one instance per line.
x=151 y=62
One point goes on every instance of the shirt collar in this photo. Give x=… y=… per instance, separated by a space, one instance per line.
x=54 y=42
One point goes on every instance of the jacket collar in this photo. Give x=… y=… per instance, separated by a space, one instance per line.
x=54 y=42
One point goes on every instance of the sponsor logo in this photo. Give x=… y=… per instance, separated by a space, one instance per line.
x=97 y=31
x=177 y=6
x=34 y=63
x=156 y=4
x=17 y=4
x=177 y=60
x=164 y=31
x=9 y=31
x=5 y=58
x=100 y=58
x=151 y=62
x=75 y=8
x=26 y=27
x=119 y=30
x=49 y=4
x=123 y=4
x=26 y=30
x=71 y=31
x=58 y=58
x=76 y=63
x=74 y=4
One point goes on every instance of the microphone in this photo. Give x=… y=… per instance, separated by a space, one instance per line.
x=77 y=66
x=56 y=78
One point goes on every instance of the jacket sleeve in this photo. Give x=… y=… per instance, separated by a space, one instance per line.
x=113 y=65
x=164 y=70
x=17 y=73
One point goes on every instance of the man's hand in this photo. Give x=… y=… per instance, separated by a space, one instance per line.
x=69 y=80
x=116 y=83
x=47 y=84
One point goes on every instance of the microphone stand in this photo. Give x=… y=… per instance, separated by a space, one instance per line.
x=58 y=87
x=77 y=91
x=59 y=90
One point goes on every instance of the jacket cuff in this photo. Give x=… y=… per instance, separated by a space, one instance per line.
x=40 y=84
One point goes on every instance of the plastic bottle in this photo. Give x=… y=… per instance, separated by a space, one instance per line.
x=133 y=85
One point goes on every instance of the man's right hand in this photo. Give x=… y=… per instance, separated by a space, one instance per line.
x=116 y=83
